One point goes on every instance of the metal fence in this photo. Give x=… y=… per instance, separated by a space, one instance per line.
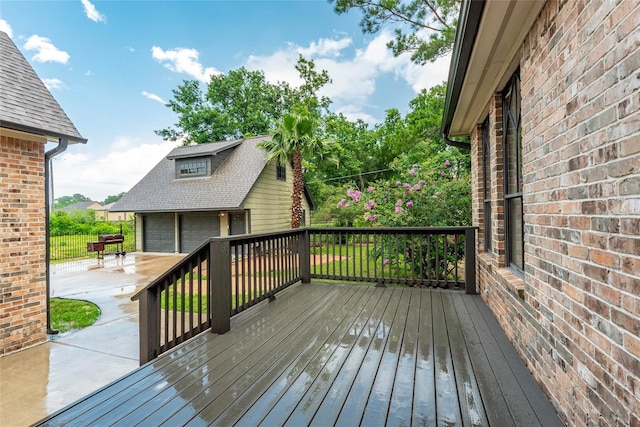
x=74 y=246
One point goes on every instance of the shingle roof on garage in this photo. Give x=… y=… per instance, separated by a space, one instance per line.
x=25 y=102
x=226 y=188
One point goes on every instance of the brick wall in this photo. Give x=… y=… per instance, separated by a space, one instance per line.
x=22 y=244
x=575 y=315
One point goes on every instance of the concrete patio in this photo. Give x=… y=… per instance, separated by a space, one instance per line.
x=44 y=378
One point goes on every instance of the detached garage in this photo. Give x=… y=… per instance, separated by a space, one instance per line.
x=207 y=190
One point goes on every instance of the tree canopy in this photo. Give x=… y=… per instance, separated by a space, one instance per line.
x=63 y=201
x=424 y=28
x=241 y=103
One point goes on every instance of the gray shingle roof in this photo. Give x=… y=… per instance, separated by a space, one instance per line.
x=226 y=188
x=25 y=102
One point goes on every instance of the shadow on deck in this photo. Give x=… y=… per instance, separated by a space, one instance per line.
x=329 y=354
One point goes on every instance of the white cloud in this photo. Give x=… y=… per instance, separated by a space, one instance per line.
x=89 y=73
x=153 y=97
x=79 y=171
x=53 y=84
x=92 y=13
x=4 y=26
x=428 y=75
x=353 y=77
x=46 y=51
x=353 y=113
x=182 y=60
x=326 y=47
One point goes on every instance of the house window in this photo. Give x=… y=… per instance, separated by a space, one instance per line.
x=188 y=168
x=513 y=173
x=281 y=172
x=486 y=183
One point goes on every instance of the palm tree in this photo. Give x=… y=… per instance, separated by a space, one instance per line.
x=293 y=137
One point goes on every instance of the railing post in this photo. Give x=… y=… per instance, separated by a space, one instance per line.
x=220 y=285
x=304 y=254
x=470 y=260
x=149 y=328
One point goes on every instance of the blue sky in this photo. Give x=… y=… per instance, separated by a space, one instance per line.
x=113 y=64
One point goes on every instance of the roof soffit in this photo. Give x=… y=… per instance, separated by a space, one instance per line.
x=503 y=28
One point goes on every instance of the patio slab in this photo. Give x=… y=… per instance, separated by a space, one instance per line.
x=49 y=376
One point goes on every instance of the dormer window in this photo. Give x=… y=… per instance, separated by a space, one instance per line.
x=192 y=167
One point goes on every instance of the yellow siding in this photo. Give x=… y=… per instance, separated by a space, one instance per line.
x=269 y=201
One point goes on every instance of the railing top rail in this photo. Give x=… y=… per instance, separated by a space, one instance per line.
x=370 y=230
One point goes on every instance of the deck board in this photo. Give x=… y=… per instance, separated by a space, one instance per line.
x=330 y=354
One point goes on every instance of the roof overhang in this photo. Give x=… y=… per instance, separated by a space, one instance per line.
x=485 y=54
x=47 y=135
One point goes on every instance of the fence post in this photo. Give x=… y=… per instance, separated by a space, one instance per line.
x=149 y=328
x=470 y=260
x=304 y=254
x=220 y=285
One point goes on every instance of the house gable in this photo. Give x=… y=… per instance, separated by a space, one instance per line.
x=269 y=201
x=235 y=167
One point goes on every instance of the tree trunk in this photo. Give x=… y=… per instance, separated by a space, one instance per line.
x=298 y=188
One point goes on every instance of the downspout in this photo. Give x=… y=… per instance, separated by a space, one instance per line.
x=454 y=143
x=48 y=156
x=468 y=24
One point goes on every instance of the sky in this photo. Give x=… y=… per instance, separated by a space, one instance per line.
x=112 y=66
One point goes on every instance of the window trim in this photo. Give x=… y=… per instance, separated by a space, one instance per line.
x=509 y=122
x=281 y=172
x=206 y=166
x=486 y=183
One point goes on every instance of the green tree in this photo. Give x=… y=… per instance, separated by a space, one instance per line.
x=113 y=198
x=424 y=28
x=295 y=136
x=63 y=201
x=241 y=103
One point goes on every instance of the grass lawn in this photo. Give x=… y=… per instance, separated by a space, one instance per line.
x=70 y=314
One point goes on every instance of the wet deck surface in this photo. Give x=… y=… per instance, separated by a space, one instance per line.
x=325 y=354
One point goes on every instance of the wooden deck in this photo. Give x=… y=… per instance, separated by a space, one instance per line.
x=326 y=354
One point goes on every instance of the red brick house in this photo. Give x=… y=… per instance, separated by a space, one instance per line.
x=549 y=93
x=29 y=118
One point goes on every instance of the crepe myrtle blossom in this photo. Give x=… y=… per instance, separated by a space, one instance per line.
x=370 y=189
x=354 y=194
x=412 y=172
x=398 y=182
x=341 y=203
x=399 y=202
x=409 y=204
x=447 y=163
x=385 y=261
x=370 y=204
x=406 y=185
x=370 y=218
x=416 y=187
x=399 y=210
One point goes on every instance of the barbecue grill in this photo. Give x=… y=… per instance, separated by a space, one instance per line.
x=105 y=240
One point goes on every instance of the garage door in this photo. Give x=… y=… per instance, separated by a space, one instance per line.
x=196 y=227
x=158 y=232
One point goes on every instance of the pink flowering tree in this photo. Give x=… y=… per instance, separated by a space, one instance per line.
x=436 y=192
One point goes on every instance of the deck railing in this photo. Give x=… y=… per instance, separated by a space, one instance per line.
x=226 y=275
